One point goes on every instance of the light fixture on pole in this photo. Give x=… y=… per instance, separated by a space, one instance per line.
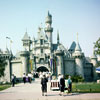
x=6 y=41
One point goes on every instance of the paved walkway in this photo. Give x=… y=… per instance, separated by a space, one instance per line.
x=33 y=92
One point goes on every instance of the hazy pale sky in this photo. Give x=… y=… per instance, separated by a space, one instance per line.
x=69 y=17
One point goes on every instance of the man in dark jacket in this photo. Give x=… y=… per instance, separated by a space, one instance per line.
x=13 y=80
x=62 y=85
x=44 y=81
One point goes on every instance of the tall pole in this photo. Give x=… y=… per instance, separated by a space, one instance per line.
x=77 y=37
x=6 y=42
x=10 y=42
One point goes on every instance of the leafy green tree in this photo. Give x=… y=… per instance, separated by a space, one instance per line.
x=3 y=63
x=97 y=50
x=97 y=47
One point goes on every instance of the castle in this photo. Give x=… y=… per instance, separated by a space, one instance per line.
x=41 y=54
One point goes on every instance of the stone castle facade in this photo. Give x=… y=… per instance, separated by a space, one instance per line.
x=41 y=54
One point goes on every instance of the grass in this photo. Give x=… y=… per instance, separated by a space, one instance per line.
x=86 y=87
x=5 y=86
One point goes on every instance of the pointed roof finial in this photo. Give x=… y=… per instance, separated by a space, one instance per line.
x=48 y=12
x=77 y=37
x=57 y=36
x=26 y=29
x=49 y=15
x=41 y=26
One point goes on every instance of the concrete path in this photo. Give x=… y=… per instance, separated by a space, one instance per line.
x=33 y=92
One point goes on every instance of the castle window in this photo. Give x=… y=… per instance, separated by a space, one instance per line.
x=41 y=42
x=41 y=50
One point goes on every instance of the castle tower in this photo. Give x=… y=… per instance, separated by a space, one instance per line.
x=94 y=62
x=26 y=42
x=79 y=60
x=48 y=28
x=59 y=54
x=94 y=59
x=25 y=61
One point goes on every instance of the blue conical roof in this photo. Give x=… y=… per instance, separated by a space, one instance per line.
x=26 y=37
x=78 y=48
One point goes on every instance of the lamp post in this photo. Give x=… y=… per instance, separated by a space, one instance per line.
x=10 y=42
x=6 y=41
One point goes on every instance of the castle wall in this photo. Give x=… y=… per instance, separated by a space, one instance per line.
x=47 y=51
x=88 y=72
x=69 y=66
x=60 y=67
x=79 y=66
x=37 y=51
x=17 y=69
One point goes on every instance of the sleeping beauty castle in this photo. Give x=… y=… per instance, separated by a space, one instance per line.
x=41 y=55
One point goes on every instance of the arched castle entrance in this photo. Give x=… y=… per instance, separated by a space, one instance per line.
x=42 y=69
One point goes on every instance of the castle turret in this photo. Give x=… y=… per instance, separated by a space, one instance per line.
x=48 y=28
x=59 y=53
x=79 y=59
x=25 y=61
x=26 y=42
x=94 y=62
x=94 y=59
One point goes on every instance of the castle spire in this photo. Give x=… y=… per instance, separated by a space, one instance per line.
x=77 y=37
x=48 y=29
x=57 y=36
x=78 y=48
x=26 y=29
x=48 y=13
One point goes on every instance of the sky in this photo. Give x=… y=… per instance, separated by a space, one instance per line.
x=69 y=17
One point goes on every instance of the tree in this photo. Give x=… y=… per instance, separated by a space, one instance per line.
x=3 y=63
x=97 y=50
x=97 y=47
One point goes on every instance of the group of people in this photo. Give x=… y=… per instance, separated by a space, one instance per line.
x=27 y=78
x=63 y=85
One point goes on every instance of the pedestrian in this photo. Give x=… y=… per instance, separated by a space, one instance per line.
x=27 y=78
x=30 y=77
x=69 y=84
x=59 y=77
x=66 y=86
x=62 y=85
x=44 y=81
x=24 y=78
x=13 y=80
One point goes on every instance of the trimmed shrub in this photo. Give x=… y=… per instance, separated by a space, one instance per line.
x=75 y=78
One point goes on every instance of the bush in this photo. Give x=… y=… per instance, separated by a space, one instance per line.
x=75 y=78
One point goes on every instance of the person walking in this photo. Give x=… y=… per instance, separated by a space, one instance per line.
x=24 y=78
x=62 y=85
x=30 y=77
x=44 y=81
x=13 y=80
x=69 y=84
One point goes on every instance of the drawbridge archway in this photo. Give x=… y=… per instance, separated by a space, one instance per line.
x=42 y=69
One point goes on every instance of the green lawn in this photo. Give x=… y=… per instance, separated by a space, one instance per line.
x=2 y=87
x=86 y=87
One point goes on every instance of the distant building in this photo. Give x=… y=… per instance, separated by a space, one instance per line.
x=41 y=54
